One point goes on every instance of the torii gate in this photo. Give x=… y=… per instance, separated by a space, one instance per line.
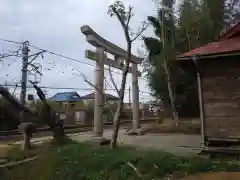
x=102 y=46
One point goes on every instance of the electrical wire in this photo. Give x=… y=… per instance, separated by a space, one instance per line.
x=66 y=57
x=69 y=58
x=64 y=88
x=6 y=40
x=61 y=55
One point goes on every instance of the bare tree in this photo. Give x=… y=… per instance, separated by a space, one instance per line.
x=50 y=118
x=124 y=16
x=92 y=85
x=28 y=127
x=113 y=81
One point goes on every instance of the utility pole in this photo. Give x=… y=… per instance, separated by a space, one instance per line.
x=25 y=51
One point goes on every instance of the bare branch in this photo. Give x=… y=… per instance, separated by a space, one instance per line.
x=15 y=89
x=87 y=81
x=7 y=95
x=112 y=79
x=40 y=94
x=50 y=117
x=142 y=29
x=121 y=20
x=91 y=84
x=129 y=15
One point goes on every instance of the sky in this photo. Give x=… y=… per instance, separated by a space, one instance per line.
x=55 y=25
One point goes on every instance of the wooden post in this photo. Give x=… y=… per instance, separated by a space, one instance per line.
x=135 y=98
x=99 y=83
x=200 y=98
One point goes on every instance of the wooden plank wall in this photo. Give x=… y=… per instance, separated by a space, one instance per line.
x=221 y=96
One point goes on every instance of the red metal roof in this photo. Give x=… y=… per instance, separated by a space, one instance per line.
x=227 y=46
x=232 y=32
x=229 y=42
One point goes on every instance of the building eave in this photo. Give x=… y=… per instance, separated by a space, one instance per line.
x=208 y=56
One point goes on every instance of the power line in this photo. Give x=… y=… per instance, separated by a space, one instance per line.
x=64 y=88
x=60 y=55
x=6 y=40
x=49 y=87
x=73 y=59
x=63 y=56
x=50 y=52
x=70 y=58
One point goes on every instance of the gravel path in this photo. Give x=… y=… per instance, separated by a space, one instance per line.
x=178 y=144
x=174 y=143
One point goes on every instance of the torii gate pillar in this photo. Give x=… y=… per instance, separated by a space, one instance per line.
x=99 y=91
x=135 y=99
x=136 y=128
x=99 y=101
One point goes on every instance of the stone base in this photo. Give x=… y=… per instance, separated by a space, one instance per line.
x=136 y=132
x=95 y=140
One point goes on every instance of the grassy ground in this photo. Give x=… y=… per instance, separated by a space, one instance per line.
x=82 y=161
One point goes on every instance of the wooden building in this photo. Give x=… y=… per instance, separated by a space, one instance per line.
x=216 y=67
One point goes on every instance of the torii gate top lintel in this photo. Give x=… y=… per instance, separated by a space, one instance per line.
x=98 y=41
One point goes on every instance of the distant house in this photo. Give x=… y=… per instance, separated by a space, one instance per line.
x=70 y=106
x=89 y=98
x=66 y=99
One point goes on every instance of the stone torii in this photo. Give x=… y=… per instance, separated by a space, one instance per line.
x=120 y=55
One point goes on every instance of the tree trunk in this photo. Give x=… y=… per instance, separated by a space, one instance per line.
x=50 y=117
x=58 y=133
x=116 y=122
x=171 y=95
x=116 y=125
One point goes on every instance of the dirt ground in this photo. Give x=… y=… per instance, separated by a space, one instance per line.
x=217 y=176
x=178 y=144
x=3 y=152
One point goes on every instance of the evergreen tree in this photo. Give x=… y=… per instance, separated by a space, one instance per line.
x=196 y=23
x=216 y=11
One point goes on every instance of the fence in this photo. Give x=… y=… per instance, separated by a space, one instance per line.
x=69 y=127
x=83 y=116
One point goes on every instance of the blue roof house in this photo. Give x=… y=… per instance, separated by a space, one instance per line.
x=66 y=97
x=69 y=105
